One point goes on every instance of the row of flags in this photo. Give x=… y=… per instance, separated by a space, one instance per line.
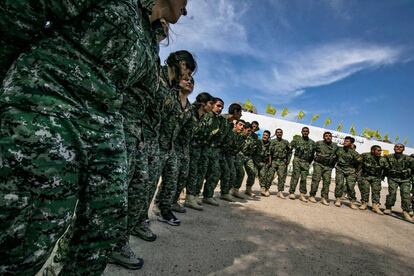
x=367 y=132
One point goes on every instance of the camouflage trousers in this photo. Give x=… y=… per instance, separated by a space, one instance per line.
x=405 y=187
x=193 y=175
x=324 y=173
x=225 y=173
x=345 y=181
x=209 y=170
x=183 y=164
x=47 y=163
x=280 y=168
x=251 y=171
x=412 y=193
x=300 y=171
x=239 y=171
x=367 y=183
x=168 y=186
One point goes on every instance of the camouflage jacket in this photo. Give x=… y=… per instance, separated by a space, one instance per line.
x=175 y=117
x=265 y=152
x=304 y=149
x=98 y=51
x=206 y=128
x=225 y=128
x=371 y=165
x=347 y=160
x=213 y=122
x=399 y=166
x=234 y=141
x=325 y=153
x=280 y=150
x=252 y=148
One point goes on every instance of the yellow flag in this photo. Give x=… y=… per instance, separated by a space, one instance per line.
x=270 y=109
x=367 y=133
x=248 y=105
x=340 y=127
x=300 y=115
x=397 y=138
x=405 y=141
x=352 y=130
x=386 y=138
x=377 y=135
x=328 y=121
x=314 y=118
x=285 y=112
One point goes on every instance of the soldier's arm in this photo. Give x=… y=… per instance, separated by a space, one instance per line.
x=289 y=153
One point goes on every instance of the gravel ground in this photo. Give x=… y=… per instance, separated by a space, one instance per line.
x=271 y=236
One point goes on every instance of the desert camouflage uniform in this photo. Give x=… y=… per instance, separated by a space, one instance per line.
x=304 y=152
x=62 y=136
x=325 y=158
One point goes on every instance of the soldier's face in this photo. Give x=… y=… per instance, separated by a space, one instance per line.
x=279 y=133
x=265 y=136
x=347 y=143
x=255 y=127
x=377 y=152
x=248 y=131
x=187 y=85
x=170 y=10
x=305 y=132
x=327 y=137
x=208 y=107
x=239 y=127
x=218 y=107
x=398 y=149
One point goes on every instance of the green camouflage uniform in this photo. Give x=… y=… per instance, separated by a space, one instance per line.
x=372 y=170
x=345 y=171
x=236 y=159
x=412 y=185
x=226 y=133
x=62 y=137
x=174 y=118
x=251 y=153
x=399 y=171
x=209 y=166
x=281 y=153
x=324 y=162
x=304 y=152
x=265 y=173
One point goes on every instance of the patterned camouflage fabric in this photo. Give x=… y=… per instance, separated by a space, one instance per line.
x=281 y=153
x=345 y=171
x=226 y=132
x=266 y=172
x=237 y=159
x=304 y=153
x=372 y=171
x=60 y=103
x=251 y=154
x=325 y=158
x=399 y=171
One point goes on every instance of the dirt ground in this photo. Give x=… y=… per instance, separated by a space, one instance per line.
x=271 y=236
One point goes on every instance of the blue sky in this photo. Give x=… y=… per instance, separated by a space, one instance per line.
x=352 y=61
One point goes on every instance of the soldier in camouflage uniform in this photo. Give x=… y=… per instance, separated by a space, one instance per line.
x=412 y=189
x=265 y=173
x=236 y=159
x=304 y=151
x=227 y=148
x=250 y=154
x=202 y=106
x=324 y=162
x=371 y=171
x=399 y=170
x=176 y=113
x=347 y=163
x=255 y=128
x=211 y=155
x=62 y=137
x=281 y=153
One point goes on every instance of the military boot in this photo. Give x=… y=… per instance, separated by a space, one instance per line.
x=210 y=201
x=411 y=213
x=352 y=205
x=236 y=193
x=292 y=196
x=191 y=202
x=312 y=199
x=324 y=201
x=407 y=216
x=338 y=202
x=280 y=194
x=376 y=209
x=125 y=257
x=144 y=232
x=263 y=191
x=249 y=192
x=364 y=206
x=267 y=192
x=199 y=200
x=156 y=210
x=388 y=211
x=302 y=198
x=227 y=197
x=176 y=207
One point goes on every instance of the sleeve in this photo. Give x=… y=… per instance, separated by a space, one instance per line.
x=289 y=152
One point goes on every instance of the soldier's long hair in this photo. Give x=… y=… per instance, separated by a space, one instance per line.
x=173 y=62
x=203 y=98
